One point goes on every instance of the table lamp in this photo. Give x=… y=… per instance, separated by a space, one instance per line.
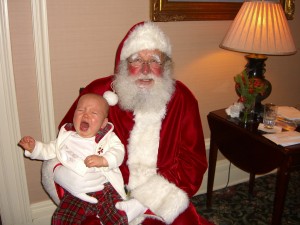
x=260 y=28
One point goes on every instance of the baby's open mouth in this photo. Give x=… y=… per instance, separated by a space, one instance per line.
x=84 y=126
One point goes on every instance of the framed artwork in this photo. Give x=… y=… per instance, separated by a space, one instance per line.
x=181 y=10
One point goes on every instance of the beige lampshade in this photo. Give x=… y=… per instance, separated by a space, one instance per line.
x=260 y=27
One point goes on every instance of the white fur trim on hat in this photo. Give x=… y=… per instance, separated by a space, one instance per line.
x=147 y=36
x=111 y=98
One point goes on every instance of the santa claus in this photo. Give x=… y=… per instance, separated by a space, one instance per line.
x=157 y=119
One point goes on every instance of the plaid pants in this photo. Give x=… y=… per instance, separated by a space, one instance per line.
x=73 y=211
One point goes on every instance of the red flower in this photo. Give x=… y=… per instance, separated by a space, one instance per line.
x=248 y=88
x=242 y=99
x=251 y=90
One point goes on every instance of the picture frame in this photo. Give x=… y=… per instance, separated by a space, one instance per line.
x=168 y=10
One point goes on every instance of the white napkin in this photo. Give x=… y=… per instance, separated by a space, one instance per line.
x=288 y=112
x=234 y=110
x=286 y=138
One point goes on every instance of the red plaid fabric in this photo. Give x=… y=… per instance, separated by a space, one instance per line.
x=73 y=211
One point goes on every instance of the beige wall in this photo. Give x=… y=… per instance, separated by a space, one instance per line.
x=83 y=37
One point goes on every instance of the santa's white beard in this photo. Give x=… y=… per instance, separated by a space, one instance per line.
x=134 y=98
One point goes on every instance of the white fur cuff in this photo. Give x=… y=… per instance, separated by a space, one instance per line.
x=162 y=197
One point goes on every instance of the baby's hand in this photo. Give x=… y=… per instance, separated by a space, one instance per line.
x=95 y=161
x=27 y=143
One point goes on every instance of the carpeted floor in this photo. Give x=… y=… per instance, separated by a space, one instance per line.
x=234 y=206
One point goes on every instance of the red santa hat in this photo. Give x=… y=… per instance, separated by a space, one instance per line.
x=143 y=35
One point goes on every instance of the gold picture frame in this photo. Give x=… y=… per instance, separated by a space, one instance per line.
x=167 y=10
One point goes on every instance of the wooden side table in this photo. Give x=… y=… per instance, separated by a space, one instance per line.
x=248 y=150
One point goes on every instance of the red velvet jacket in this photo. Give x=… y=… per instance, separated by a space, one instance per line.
x=181 y=153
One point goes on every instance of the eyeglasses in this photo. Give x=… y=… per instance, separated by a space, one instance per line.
x=138 y=63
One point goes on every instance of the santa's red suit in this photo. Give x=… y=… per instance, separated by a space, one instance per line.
x=165 y=155
x=181 y=158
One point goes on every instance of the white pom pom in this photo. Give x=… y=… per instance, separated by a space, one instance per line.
x=111 y=98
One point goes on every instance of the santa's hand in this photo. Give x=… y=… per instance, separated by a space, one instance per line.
x=133 y=208
x=77 y=185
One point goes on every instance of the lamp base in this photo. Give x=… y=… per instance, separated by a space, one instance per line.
x=255 y=68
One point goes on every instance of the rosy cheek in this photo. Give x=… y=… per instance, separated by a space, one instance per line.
x=133 y=71
x=157 y=72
